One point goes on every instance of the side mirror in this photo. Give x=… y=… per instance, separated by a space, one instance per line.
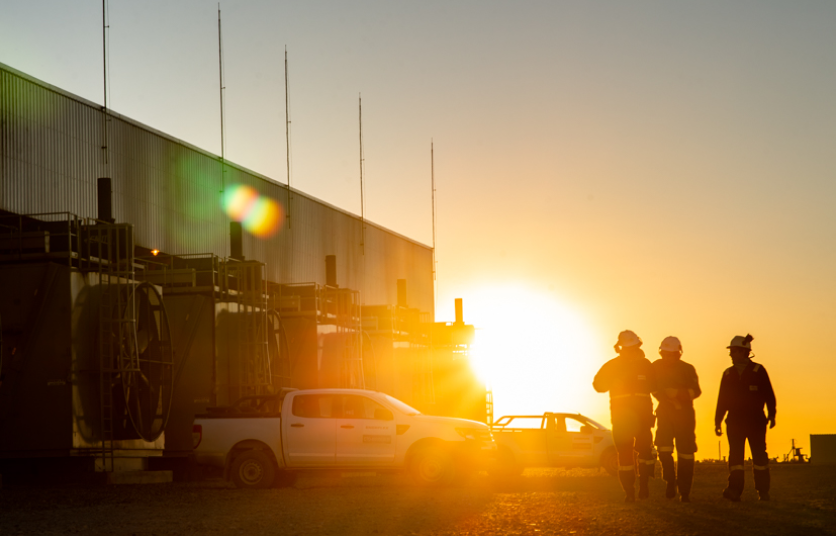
x=586 y=429
x=381 y=414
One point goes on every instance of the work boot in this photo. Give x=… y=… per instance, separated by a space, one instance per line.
x=644 y=490
x=684 y=498
x=646 y=469
x=628 y=484
x=735 y=488
x=762 y=481
x=686 y=475
x=731 y=495
x=670 y=490
x=763 y=496
x=668 y=473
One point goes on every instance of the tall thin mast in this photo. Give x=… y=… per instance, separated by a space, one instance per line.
x=104 y=79
x=362 y=204
x=362 y=186
x=287 y=136
x=432 y=180
x=221 y=85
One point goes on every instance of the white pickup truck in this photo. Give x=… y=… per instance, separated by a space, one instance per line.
x=263 y=441
x=552 y=440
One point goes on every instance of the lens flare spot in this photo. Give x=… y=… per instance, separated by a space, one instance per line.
x=258 y=214
x=239 y=200
x=263 y=218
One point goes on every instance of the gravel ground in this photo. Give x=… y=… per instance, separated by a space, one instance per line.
x=543 y=501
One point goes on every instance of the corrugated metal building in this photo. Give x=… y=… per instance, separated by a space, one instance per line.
x=51 y=156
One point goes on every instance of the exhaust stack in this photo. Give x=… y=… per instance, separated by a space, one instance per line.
x=331 y=271
x=236 y=240
x=104 y=200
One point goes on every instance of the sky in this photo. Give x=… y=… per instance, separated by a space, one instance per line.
x=665 y=167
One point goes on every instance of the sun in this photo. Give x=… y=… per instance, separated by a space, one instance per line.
x=535 y=353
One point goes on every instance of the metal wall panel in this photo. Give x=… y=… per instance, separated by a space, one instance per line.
x=51 y=155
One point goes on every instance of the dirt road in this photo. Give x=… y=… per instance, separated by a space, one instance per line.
x=540 y=502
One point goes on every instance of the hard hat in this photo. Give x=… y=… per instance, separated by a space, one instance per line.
x=740 y=341
x=670 y=344
x=627 y=339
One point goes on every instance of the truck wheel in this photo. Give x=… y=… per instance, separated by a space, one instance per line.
x=253 y=469
x=432 y=467
x=609 y=461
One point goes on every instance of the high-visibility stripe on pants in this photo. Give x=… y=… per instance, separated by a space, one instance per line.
x=686 y=456
x=626 y=467
x=665 y=449
x=760 y=467
x=647 y=462
x=736 y=468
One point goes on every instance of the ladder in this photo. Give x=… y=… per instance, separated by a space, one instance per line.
x=109 y=251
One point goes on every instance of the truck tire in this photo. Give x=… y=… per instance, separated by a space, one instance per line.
x=609 y=461
x=432 y=467
x=253 y=469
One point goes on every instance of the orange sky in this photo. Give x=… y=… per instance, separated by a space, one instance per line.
x=660 y=167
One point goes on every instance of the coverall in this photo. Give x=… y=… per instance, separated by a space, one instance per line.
x=743 y=394
x=629 y=380
x=677 y=385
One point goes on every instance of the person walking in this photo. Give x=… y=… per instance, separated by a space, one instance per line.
x=677 y=385
x=629 y=380
x=744 y=390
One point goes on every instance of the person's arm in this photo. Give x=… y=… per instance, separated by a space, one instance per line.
x=722 y=407
x=769 y=396
x=694 y=384
x=603 y=380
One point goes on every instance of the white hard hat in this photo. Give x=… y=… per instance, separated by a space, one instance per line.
x=627 y=339
x=670 y=344
x=739 y=341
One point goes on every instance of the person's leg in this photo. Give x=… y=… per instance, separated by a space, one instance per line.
x=664 y=446
x=760 y=460
x=737 y=443
x=622 y=435
x=647 y=465
x=686 y=446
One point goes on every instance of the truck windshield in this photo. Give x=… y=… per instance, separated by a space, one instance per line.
x=402 y=407
x=595 y=424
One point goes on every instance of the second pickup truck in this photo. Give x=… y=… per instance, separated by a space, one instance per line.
x=263 y=441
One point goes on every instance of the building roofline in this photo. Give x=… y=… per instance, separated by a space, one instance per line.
x=139 y=124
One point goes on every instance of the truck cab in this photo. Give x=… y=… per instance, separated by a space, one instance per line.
x=261 y=441
x=552 y=440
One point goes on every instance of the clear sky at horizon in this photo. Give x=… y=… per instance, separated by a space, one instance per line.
x=666 y=167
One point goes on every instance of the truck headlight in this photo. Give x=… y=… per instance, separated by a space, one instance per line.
x=475 y=434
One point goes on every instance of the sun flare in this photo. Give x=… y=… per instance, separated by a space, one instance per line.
x=535 y=353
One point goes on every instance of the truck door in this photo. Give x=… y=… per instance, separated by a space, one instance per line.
x=558 y=440
x=310 y=430
x=365 y=432
x=574 y=446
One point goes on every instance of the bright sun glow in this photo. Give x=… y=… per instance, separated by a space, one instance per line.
x=535 y=353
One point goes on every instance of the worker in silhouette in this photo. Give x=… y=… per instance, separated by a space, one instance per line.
x=744 y=390
x=677 y=385
x=629 y=380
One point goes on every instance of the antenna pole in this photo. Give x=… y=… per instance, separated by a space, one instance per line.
x=362 y=200
x=104 y=78
x=362 y=186
x=432 y=180
x=221 y=85
x=287 y=136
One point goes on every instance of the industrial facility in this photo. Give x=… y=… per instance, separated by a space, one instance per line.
x=144 y=280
